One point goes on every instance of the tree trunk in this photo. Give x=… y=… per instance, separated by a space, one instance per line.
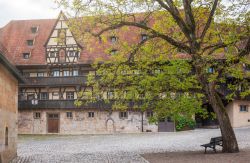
x=230 y=144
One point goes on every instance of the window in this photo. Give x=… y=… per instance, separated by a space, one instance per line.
x=69 y=95
x=243 y=108
x=30 y=42
x=149 y=114
x=52 y=54
x=210 y=70
x=110 y=95
x=31 y=96
x=66 y=73
x=34 y=29
x=75 y=72
x=26 y=55
x=72 y=53
x=37 y=115
x=40 y=74
x=44 y=96
x=69 y=114
x=91 y=114
x=144 y=37
x=113 y=39
x=113 y=52
x=56 y=73
x=123 y=114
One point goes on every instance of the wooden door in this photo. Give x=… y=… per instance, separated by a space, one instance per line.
x=53 y=123
x=166 y=125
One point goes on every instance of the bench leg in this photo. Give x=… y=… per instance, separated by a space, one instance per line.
x=214 y=149
x=205 y=150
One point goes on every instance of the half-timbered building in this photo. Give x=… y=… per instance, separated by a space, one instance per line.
x=55 y=65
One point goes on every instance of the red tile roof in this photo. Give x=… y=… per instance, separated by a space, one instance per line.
x=14 y=36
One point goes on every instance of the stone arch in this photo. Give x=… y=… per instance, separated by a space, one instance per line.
x=6 y=142
x=110 y=125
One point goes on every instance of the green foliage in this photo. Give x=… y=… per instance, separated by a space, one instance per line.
x=184 y=122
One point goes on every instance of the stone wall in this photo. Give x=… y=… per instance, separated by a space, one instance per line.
x=8 y=115
x=80 y=123
x=238 y=118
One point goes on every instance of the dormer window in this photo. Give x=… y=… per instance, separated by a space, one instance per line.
x=30 y=42
x=34 y=29
x=26 y=55
x=210 y=70
x=113 y=39
x=144 y=37
x=113 y=52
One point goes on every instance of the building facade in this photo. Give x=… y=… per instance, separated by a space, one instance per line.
x=55 y=65
x=9 y=78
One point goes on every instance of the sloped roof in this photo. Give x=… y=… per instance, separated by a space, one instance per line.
x=15 y=34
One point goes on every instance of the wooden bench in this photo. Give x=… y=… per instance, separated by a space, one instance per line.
x=213 y=142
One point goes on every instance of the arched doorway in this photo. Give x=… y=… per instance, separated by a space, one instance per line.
x=6 y=136
x=110 y=125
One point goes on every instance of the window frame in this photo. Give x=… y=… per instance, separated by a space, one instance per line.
x=69 y=115
x=30 y=42
x=91 y=114
x=243 y=108
x=34 y=29
x=41 y=95
x=35 y=115
x=123 y=114
x=26 y=54
x=72 y=96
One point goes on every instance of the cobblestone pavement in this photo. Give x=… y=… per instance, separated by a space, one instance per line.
x=117 y=148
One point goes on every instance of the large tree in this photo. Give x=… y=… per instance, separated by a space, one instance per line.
x=212 y=34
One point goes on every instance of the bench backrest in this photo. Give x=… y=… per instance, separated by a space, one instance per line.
x=216 y=140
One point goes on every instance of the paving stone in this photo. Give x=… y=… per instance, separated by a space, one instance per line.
x=118 y=148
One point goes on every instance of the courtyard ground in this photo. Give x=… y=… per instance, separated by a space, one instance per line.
x=126 y=148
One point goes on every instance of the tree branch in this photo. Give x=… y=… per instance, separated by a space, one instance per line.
x=142 y=26
x=210 y=18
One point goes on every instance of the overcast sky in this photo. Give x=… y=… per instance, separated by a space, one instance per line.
x=26 y=9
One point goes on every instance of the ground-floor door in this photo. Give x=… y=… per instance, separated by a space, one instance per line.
x=166 y=125
x=53 y=123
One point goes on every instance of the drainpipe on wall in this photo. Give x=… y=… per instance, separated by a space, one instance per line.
x=142 y=121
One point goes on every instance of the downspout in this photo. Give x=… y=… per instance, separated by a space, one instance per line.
x=142 y=121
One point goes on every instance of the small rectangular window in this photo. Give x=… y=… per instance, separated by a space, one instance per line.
x=144 y=37
x=37 y=115
x=149 y=114
x=40 y=74
x=113 y=39
x=44 y=96
x=34 y=29
x=66 y=73
x=26 y=55
x=210 y=70
x=52 y=54
x=56 y=73
x=72 y=54
x=69 y=114
x=75 y=72
x=30 y=42
x=243 y=108
x=113 y=52
x=91 y=114
x=70 y=95
x=123 y=114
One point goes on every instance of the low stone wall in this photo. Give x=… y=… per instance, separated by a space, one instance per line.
x=103 y=122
